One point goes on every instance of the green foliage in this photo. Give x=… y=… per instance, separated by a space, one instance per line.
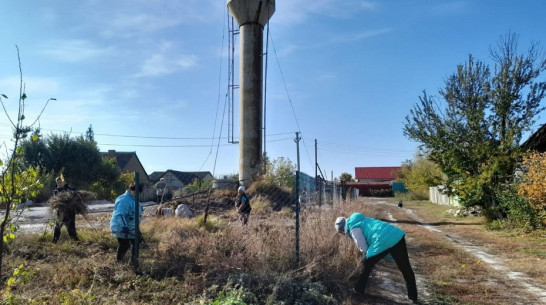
x=78 y=159
x=18 y=182
x=213 y=224
x=518 y=209
x=473 y=133
x=281 y=172
x=112 y=183
x=420 y=174
x=381 y=193
x=346 y=177
x=229 y=297
x=20 y=276
x=90 y=134
x=197 y=185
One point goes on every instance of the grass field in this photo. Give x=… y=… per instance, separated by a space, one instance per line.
x=187 y=261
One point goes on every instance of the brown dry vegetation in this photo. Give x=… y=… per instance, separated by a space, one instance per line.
x=184 y=261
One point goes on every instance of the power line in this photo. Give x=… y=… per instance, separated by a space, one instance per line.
x=329 y=146
x=289 y=99
x=284 y=83
x=365 y=153
x=147 y=137
x=178 y=146
x=158 y=146
x=218 y=98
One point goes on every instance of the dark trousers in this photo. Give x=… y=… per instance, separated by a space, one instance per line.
x=400 y=254
x=243 y=217
x=68 y=219
x=123 y=245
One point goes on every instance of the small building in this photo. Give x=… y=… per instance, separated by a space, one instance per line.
x=177 y=180
x=128 y=162
x=377 y=174
x=377 y=181
x=537 y=141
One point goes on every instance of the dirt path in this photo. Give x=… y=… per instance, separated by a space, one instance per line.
x=456 y=259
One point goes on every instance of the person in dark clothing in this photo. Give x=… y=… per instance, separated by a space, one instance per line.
x=242 y=203
x=64 y=216
x=377 y=240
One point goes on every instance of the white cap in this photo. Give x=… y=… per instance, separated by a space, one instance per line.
x=340 y=224
x=241 y=188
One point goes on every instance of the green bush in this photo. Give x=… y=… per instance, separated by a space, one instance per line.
x=196 y=186
x=110 y=191
x=381 y=193
x=517 y=209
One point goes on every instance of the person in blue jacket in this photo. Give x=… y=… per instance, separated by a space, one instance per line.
x=377 y=239
x=122 y=223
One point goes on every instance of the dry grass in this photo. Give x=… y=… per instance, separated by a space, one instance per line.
x=455 y=272
x=186 y=260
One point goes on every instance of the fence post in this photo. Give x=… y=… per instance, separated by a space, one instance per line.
x=137 y=222
x=297 y=191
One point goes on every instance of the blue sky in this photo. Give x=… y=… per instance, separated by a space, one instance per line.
x=150 y=76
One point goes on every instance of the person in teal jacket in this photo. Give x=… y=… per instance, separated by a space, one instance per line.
x=377 y=239
x=122 y=223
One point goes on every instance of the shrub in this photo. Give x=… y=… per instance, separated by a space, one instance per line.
x=109 y=191
x=517 y=208
x=381 y=193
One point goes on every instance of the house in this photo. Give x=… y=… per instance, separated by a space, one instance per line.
x=377 y=174
x=128 y=162
x=376 y=181
x=537 y=141
x=177 y=180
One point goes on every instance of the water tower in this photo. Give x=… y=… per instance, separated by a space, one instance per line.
x=252 y=16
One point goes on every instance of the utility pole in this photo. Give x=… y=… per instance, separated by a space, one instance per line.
x=316 y=165
x=297 y=190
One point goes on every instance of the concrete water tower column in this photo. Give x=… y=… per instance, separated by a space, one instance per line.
x=252 y=16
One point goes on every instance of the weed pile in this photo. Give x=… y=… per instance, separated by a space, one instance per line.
x=71 y=200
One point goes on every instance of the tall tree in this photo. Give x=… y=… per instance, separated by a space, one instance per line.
x=77 y=158
x=473 y=130
x=346 y=177
x=281 y=171
x=420 y=174
x=90 y=134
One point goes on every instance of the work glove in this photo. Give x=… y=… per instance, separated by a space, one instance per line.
x=125 y=230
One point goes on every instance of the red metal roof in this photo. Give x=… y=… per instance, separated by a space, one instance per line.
x=388 y=173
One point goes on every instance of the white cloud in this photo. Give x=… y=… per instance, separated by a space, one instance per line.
x=298 y=11
x=132 y=18
x=368 y=5
x=338 y=39
x=73 y=50
x=160 y=64
x=128 y=25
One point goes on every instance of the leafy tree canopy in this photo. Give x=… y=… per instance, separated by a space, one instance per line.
x=78 y=159
x=420 y=174
x=281 y=171
x=346 y=177
x=473 y=128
